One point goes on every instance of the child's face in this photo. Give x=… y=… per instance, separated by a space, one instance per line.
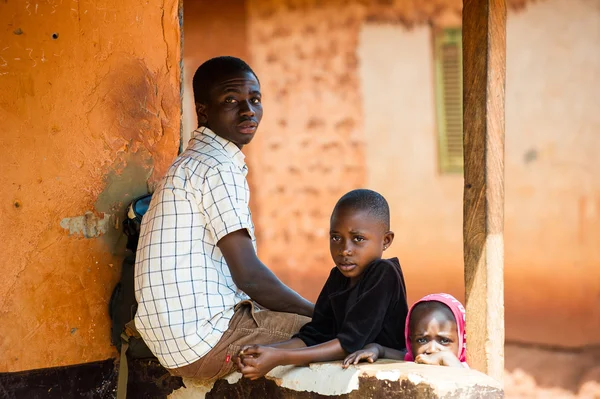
x=234 y=108
x=434 y=330
x=356 y=239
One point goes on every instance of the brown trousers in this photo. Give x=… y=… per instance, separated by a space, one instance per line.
x=249 y=325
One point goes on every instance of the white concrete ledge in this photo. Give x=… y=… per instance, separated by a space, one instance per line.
x=384 y=379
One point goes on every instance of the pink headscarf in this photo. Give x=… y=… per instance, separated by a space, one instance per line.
x=459 y=314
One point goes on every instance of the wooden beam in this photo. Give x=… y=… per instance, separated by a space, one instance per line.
x=484 y=76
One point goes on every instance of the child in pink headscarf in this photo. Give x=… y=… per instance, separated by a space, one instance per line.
x=434 y=333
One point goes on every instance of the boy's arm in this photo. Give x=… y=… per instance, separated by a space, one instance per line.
x=377 y=351
x=327 y=351
x=390 y=353
x=259 y=360
x=371 y=353
x=293 y=343
x=256 y=280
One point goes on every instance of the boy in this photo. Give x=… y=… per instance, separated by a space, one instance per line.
x=196 y=265
x=363 y=300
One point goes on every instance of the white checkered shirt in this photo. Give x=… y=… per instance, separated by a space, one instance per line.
x=183 y=285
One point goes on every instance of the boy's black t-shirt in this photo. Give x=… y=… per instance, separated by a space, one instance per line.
x=374 y=310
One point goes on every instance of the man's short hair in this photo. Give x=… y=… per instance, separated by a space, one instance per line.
x=366 y=200
x=213 y=71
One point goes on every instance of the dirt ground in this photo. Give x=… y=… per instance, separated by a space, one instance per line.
x=533 y=372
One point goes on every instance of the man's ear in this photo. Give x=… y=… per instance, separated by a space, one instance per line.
x=388 y=238
x=201 y=113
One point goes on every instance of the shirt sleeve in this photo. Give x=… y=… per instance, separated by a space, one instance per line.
x=322 y=326
x=225 y=200
x=364 y=319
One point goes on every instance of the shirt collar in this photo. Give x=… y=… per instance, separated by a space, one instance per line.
x=205 y=134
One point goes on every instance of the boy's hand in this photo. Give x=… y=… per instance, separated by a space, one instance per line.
x=370 y=353
x=239 y=358
x=255 y=361
x=443 y=358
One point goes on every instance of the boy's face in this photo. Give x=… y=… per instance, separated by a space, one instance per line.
x=433 y=331
x=234 y=109
x=356 y=238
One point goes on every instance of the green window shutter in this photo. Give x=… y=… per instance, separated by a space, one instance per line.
x=449 y=102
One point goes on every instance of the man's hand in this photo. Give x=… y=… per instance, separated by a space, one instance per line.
x=370 y=353
x=255 y=361
x=256 y=280
x=443 y=358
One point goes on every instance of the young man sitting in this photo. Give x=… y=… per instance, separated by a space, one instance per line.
x=198 y=278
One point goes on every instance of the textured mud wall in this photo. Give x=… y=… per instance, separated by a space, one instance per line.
x=90 y=115
x=402 y=156
x=326 y=132
x=311 y=141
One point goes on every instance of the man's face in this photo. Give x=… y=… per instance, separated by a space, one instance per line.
x=356 y=239
x=234 y=109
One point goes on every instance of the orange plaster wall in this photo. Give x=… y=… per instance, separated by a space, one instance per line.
x=89 y=119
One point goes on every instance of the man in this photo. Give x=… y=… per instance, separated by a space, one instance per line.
x=198 y=279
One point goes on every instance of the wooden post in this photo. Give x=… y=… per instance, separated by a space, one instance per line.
x=484 y=75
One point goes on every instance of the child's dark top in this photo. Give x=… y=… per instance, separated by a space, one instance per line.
x=374 y=310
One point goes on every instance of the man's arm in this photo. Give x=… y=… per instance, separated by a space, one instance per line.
x=256 y=280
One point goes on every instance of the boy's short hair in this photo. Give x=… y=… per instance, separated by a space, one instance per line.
x=366 y=200
x=212 y=71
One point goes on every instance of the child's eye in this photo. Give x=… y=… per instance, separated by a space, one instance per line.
x=230 y=100
x=255 y=100
x=444 y=341
x=335 y=238
x=421 y=341
x=359 y=239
